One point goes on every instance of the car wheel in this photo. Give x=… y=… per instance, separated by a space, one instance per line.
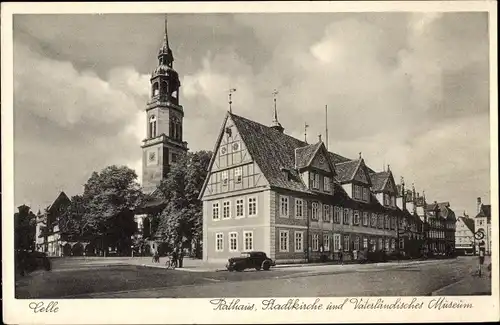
x=266 y=265
x=238 y=269
x=257 y=268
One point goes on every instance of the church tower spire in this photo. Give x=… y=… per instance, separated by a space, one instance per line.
x=164 y=143
x=276 y=124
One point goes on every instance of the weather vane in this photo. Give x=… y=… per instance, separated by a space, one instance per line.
x=231 y=91
x=305 y=131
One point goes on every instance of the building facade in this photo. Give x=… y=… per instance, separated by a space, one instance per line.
x=440 y=227
x=464 y=236
x=482 y=222
x=296 y=201
x=48 y=237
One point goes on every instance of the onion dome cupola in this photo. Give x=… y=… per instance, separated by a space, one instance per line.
x=165 y=81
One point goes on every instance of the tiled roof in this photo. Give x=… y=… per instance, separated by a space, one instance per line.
x=485 y=211
x=378 y=180
x=62 y=199
x=468 y=222
x=303 y=155
x=346 y=170
x=272 y=151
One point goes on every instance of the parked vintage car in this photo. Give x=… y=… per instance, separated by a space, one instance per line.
x=29 y=261
x=250 y=260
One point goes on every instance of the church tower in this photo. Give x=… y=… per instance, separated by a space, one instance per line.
x=164 y=118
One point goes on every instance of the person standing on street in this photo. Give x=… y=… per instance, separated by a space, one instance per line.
x=481 y=259
x=181 y=256
x=175 y=256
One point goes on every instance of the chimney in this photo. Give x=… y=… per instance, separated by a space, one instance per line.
x=478 y=205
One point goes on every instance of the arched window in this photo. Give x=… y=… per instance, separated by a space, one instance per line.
x=156 y=90
x=164 y=88
x=152 y=126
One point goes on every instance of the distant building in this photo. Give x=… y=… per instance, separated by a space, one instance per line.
x=48 y=235
x=464 y=236
x=440 y=227
x=482 y=222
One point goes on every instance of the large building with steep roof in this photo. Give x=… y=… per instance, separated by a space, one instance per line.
x=464 y=236
x=296 y=201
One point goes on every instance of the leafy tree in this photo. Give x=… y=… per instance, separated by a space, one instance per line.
x=24 y=228
x=70 y=221
x=110 y=198
x=181 y=220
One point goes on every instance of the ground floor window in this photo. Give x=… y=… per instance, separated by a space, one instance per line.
x=401 y=243
x=346 y=243
x=248 y=239
x=373 y=245
x=315 y=242
x=387 y=244
x=356 y=243
x=326 y=242
x=393 y=244
x=299 y=241
x=365 y=243
x=380 y=244
x=233 y=241
x=336 y=242
x=219 y=242
x=283 y=240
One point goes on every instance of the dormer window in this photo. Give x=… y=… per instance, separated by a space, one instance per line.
x=365 y=194
x=357 y=192
x=326 y=184
x=315 y=180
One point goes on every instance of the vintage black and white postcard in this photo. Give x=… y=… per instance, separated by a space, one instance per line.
x=232 y=162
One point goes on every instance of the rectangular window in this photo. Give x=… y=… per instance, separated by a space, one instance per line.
x=315 y=242
x=299 y=208
x=336 y=242
x=283 y=240
x=240 y=208
x=380 y=244
x=233 y=241
x=386 y=221
x=238 y=174
x=337 y=214
x=393 y=201
x=248 y=237
x=326 y=243
x=225 y=177
x=365 y=218
x=393 y=223
x=315 y=180
x=401 y=243
x=356 y=217
x=219 y=242
x=326 y=212
x=365 y=243
x=374 y=220
x=215 y=211
x=346 y=243
x=315 y=211
x=347 y=220
x=365 y=194
x=326 y=184
x=380 y=221
x=373 y=245
x=356 y=243
x=252 y=206
x=284 y=206
x=226 y=210
x=299 y=241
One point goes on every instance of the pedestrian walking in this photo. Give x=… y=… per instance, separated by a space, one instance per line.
x=341 y=256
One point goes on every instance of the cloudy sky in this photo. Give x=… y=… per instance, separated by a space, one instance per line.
x=409 y=90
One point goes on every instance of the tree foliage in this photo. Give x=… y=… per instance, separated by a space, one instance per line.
x=181 y=220
x=109 y=199
x=24 y=228
x=70 y=221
